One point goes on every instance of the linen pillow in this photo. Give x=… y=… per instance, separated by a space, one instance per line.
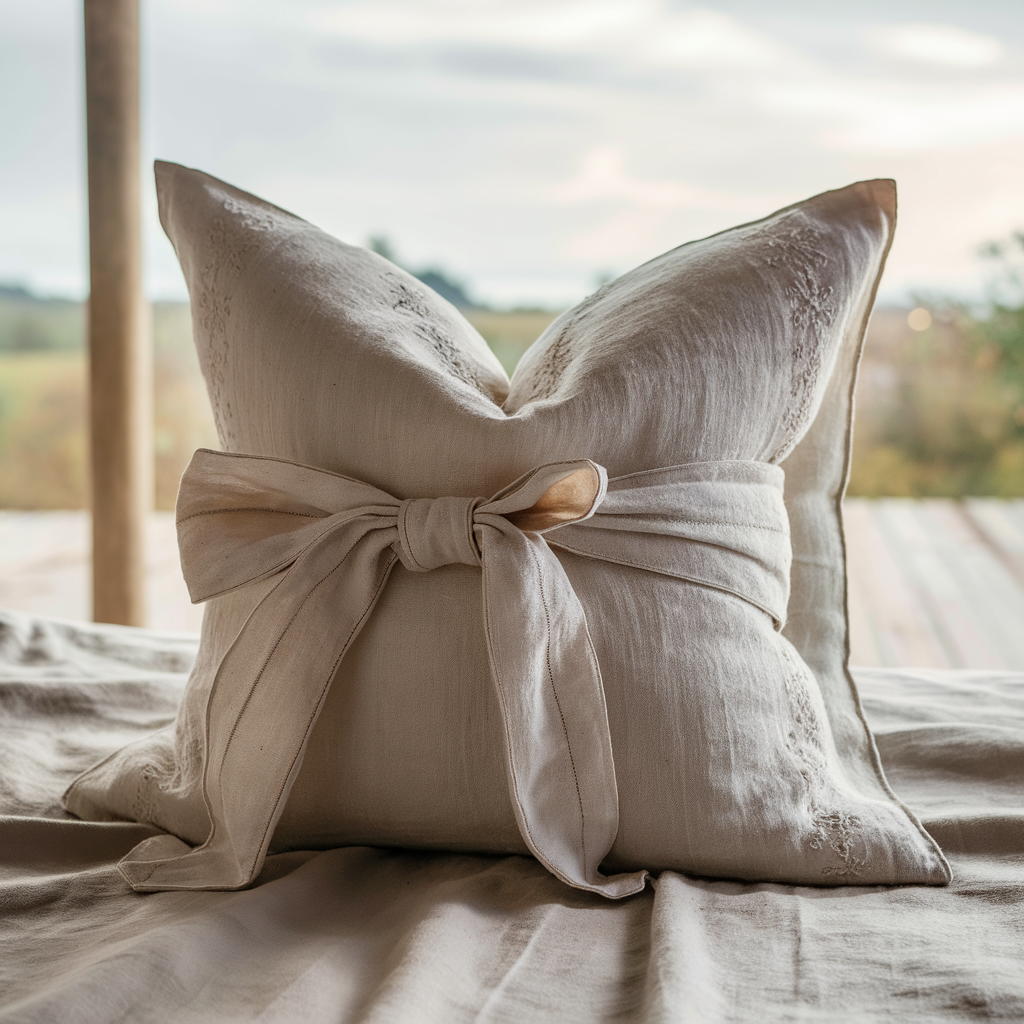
x=620 y=694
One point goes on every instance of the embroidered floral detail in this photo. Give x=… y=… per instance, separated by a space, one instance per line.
x=547 y=375
x=252 y=217
x=230 y=242
x=408 y=301
x=544 y=376
x=838 y=831
x=831 y=828
x=144 y=807
x=795 y=245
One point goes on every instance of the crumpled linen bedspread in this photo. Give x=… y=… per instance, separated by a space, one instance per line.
x=364 y=934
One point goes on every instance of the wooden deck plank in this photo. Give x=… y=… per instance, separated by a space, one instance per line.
x=44 y=568
x=931 y=584
x=902 y=631
x=1015 y=510
x=921 y=550
x=1001 y=525
x=44 y=563
x=984 y=584
x=863 y=644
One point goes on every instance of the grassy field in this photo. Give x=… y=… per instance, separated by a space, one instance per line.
x=510 y=334
x=43 y=414
x=43 y=396
x=42 y=429
x=939 y=411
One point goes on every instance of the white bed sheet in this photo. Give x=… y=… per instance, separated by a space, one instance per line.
x=390 y=935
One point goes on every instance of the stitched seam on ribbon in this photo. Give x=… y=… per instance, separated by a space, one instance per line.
x=330 y=678
x=259 y=676
x=263 y=668
x=206 y=743
x=277 y=643
x=218 y=511
x=496 y=675
x=689 y=465
x=289 y=559
x=206 y=735
x=666 y=517
x=272 y=458
x=661 y=571
x=558 y=703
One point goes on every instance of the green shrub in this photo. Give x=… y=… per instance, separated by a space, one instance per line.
x=940 y=412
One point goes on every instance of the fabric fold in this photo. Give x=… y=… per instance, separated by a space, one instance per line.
x=717 y=524
x=334 y=542
x=331 y=542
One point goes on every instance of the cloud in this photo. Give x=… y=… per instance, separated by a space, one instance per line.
x=892 y=116
x=526 y=143
x=649 y=220
x=546 y=25
x=951 y=201
x=603 y=176
x=944 y=45
x=644 y=31
x=626 y=236
x=704 y=39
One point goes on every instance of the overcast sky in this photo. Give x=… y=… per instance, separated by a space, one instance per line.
x=527 y=147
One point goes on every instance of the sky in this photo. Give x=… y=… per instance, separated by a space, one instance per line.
x=530 y=147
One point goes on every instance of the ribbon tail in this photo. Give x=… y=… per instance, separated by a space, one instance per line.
x=561 y=772
x=257 y=728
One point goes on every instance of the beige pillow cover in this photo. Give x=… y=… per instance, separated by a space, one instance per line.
x=618 y=694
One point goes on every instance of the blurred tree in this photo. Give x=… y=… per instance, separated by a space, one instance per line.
x=382 y=247
x=432 y=277
x=1000 y=334
x=32 y=324
x=940 y=410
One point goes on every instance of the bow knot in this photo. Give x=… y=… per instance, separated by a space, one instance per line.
x=332 y=541
x=437 y=531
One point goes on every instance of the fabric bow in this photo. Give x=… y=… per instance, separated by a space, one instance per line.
x=334 y=540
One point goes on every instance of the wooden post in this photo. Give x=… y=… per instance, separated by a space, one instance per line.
x=120 y=372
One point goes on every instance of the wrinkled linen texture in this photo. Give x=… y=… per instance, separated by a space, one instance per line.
x=378 y=935
x=718 y=744
x=244 y=518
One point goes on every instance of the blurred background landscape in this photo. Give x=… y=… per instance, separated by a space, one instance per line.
x=940 y=399
x=515 y=154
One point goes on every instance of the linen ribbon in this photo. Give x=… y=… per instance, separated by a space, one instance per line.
x=333 y=541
